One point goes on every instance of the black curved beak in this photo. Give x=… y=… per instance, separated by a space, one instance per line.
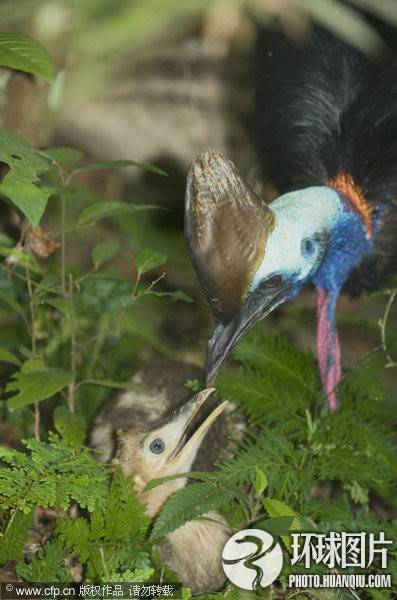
x=226 y=336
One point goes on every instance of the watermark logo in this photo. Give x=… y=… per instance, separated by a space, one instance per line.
x=252 y=558
x=340 y=549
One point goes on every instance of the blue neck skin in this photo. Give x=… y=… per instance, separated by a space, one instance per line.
x=346 y=248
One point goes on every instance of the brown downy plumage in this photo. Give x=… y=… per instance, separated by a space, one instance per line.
x=194 y=550
x=166 y=435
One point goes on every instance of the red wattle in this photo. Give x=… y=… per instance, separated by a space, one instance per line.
x=328 y=350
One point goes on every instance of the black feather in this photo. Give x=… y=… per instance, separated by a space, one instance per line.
x=323 y=108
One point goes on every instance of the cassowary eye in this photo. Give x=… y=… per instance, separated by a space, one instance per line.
x=308 y=247
x=157 y=446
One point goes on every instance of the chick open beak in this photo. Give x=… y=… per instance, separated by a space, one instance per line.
x=192 y=428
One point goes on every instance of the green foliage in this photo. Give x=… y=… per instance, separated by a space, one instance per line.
x=47 y=566
x=35 y=382
x=295 y=447
x=70 y=426
x=149 y=259
x=12 y=541
x=278 y=390
x=108 y=208
x=51 y=474
x=20 y=183
x=111 y=540
x=103 y=252
x=190 y=502
x=116 y=164
x=21 y=52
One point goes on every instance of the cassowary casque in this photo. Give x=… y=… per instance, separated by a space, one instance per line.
x=326 y=128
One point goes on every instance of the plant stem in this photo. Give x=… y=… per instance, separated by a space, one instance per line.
x=382 y=325
x=72 y=385
x=33 y=283
x=63 y=245
x=32 y=304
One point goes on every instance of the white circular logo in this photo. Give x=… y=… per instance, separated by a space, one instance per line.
x=252 y=558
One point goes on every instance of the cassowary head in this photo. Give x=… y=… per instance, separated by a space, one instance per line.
x=251 y=257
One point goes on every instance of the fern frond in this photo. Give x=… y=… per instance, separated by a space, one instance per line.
x=51 y=474
x=49 y=566
x=12 y=541
x=189 y=503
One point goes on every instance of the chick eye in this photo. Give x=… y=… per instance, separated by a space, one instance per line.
x=308 y=247
x=157 y=446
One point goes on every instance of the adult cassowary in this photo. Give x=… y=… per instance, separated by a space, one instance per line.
x=326 y=125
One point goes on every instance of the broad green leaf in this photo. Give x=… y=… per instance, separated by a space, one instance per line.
x=34 y=383
x=63 y=156
x=116 y=164
x=9 y=357
x=109 y=208
x=260 y=481
x=103 y=252
x=149 y=259
x=23 y=53
x=69 y=425
x=19 y=184
x=10 y=300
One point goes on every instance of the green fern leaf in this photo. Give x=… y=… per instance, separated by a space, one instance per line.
x=188 y=503
x=12 y=541
x=48 y=567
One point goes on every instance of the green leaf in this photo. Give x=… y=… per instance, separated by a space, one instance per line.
x=276 y=509
x=51 y=474
x=64 y=305
x=34 y=383
x=19 y=184
x=71 y=426
x=63 y=156
x=103 y=252
x=116 y=164
x=260 y=481
x=149 y=259
x=188 y=503
x=200 y=475
x=172 y=296
x=109 y=208
x=7 y=356
x=13 y=540
x=8 y=299
x=23 y=53
x=276 y=526
x=46 y=565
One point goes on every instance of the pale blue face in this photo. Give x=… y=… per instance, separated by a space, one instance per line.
x=304 y=221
